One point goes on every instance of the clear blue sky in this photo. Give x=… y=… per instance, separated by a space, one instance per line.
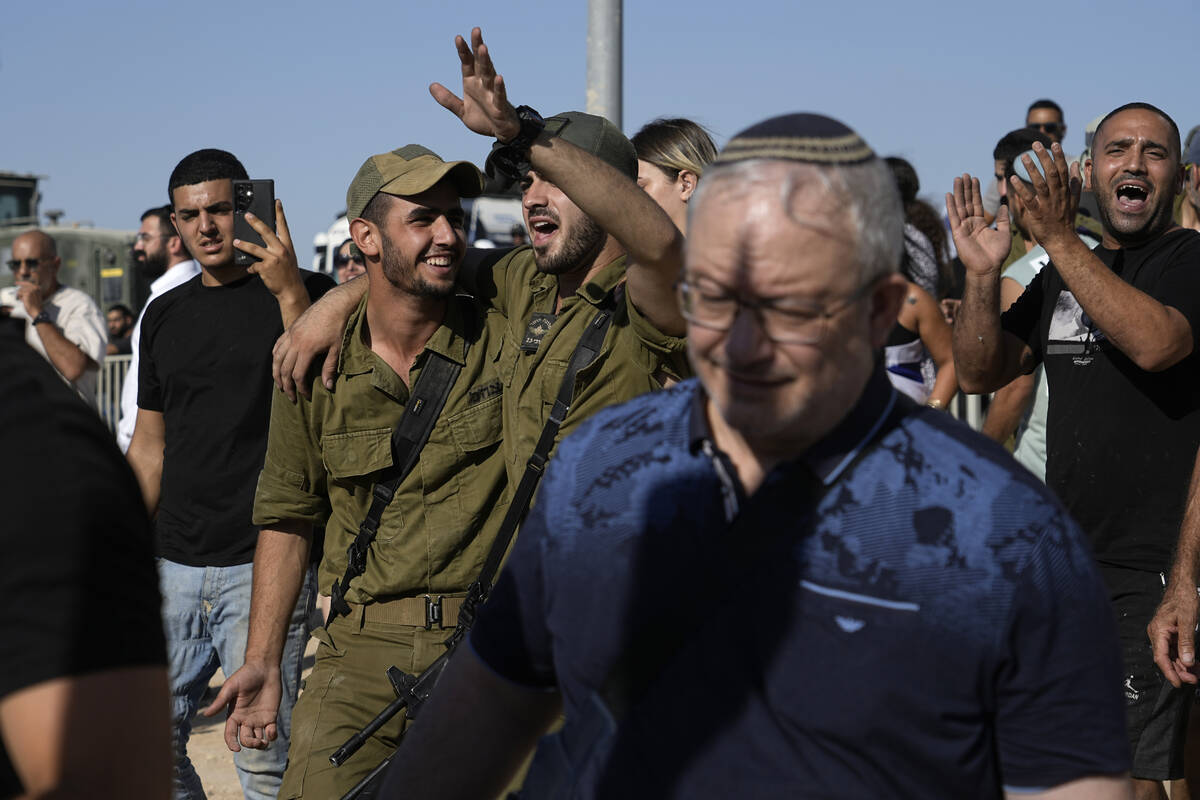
x=105 y=98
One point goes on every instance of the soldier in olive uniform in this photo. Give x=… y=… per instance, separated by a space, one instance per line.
x=325 y=455
x=593 y=230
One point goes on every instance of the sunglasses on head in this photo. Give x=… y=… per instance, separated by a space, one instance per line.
x=1051 y=128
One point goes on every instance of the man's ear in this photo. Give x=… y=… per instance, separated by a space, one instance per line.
x=1087 y=174
x=687 y=181
x=886 y=297
x=366 y=237
x=175 y=246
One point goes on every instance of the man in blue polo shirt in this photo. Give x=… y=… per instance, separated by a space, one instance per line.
x=784 y=580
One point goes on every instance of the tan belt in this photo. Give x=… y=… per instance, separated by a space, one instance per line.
x=430 y=611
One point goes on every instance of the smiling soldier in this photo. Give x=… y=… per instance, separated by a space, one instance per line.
x=328 y=457
x=1116 y=327
x=598 y=244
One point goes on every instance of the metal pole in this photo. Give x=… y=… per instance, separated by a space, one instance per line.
x=604 y=59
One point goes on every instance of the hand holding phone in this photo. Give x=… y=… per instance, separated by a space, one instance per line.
x=258 y=198
x=275 y=260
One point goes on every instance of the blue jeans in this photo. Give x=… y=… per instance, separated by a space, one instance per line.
x=206 y=615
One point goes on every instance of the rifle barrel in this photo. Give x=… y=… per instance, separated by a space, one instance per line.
x=356 y=741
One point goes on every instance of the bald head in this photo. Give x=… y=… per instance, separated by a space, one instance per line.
x=42 y=241
x=35 y=259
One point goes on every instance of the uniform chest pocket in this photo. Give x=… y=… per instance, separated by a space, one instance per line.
x=355 y=454
x=478 y=427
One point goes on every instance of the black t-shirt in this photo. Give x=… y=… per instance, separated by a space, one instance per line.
x=206 y=365
x=1121 y=442
x=77 y=573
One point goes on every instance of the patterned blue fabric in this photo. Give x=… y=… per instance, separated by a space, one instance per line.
x=932 y=627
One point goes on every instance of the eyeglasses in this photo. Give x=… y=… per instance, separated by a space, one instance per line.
x=32 y=263
x=145 y=237
x=710 y=306
x=1048 y=128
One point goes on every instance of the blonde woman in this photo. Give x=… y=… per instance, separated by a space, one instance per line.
x=672 y=155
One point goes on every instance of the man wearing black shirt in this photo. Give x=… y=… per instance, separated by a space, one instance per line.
x=204 y=400
x=1117 y=329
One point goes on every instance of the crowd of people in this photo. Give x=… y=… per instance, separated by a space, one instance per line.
x=699 y=418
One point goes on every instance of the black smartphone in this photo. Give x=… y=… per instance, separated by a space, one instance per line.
x=257 y=197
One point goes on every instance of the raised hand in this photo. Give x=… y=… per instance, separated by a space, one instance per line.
x=981 y=248
x=1051 y=203
x=484 y=106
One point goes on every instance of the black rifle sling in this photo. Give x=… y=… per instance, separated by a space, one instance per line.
x=424 y=405
x=589 y=347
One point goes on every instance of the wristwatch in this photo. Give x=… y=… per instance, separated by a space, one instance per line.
x=511 y=158
x=41 y=317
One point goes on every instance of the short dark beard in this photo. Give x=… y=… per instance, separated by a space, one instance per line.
x=397 y=271
x=1156 y=224
x=584 y=243
x=153 y=266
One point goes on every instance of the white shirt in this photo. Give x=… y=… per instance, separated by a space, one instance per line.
x=175 y=275
x=82 y=324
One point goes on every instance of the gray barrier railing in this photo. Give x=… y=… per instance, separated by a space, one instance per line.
x=968 y=408
x=108 y=389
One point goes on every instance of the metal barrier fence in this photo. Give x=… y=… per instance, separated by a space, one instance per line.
x=968 y=408
x=108 y=389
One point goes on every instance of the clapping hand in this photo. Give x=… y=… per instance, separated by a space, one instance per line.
x=981 y=248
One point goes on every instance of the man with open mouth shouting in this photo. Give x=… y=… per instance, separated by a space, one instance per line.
x=1116 y=327
x=599 y=243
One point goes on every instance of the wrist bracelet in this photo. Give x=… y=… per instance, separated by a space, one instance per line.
x=934 y=404
x=41 y=317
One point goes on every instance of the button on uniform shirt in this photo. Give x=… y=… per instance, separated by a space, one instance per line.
x=324 y=456
x=635 y=359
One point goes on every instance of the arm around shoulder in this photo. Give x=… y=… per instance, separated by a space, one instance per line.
x=318 y=330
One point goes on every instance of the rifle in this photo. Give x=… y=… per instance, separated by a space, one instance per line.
x=411 y=694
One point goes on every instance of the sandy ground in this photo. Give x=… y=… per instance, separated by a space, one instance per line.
x=212 y=759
